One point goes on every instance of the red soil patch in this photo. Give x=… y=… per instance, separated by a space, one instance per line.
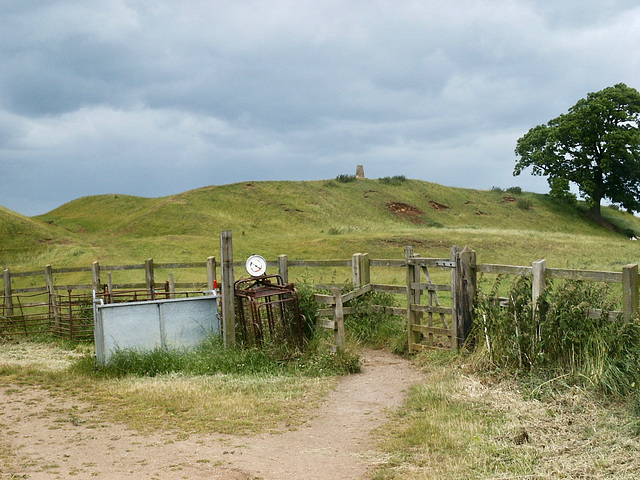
x=405 y=210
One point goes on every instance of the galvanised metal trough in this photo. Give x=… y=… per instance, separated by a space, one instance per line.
x=170 y=323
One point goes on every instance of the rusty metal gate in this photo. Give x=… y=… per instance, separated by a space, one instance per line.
x=268 y=312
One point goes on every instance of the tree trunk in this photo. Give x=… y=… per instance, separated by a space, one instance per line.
x=594 y=212
x=596 y=197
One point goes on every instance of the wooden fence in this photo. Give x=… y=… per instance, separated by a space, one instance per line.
x=540 y=274
x=437 y=315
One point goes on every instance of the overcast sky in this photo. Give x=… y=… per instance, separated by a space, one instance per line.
x=156 y=97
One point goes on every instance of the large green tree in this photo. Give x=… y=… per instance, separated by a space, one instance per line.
x=595 y=145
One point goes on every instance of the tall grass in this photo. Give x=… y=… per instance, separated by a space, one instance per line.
x=212 y=358
x=558 y=341
x=369 y=325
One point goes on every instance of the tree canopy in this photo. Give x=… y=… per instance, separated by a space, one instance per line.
x=595 y=145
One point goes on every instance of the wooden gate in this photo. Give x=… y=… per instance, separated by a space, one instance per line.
x=444 y=319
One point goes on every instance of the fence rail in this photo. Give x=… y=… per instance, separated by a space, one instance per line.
x=37 y=308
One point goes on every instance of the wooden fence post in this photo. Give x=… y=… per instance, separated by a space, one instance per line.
x=629 y=291
x=465 y=292
x=211 y=272
x=228 y=292
x=455 y=252
x=148 y=270
x=338 y=317
x=538 y=281
x=95 y=274
x=365 y=269
x=53 y=301
x=361 y=265
x=355 y=269
x=8 y=298
x=413 y=298
x=283 y=268
x=172 y=286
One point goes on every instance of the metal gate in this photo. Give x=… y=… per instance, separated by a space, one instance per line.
x=268 y=312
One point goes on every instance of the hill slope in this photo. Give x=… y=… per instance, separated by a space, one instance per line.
x=362 y=205
x=322 y=219
x=23 y=237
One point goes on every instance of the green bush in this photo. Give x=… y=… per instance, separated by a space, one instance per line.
x=346 y=178
x=559 y=340
x=559 y=189
x=524 y=203
x=514 y=190
x=308 y=307
x=395 y=180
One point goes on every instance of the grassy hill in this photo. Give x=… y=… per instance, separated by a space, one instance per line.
x=23 y=238
x=320 y=219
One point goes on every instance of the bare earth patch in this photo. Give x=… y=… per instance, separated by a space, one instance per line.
x=48 y=436
x=438 y=206
x=405 y=210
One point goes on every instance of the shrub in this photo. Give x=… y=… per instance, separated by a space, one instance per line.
x=395 y=180
x=346 y=178
x=559 y=189
x=433 y=223
x=308 y=307
x=524 y=203
x=514 y=190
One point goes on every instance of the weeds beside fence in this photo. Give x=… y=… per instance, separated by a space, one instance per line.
x=559 y=335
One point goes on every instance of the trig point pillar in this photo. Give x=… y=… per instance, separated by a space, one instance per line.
x=360 y=171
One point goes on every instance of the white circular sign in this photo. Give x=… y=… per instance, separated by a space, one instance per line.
x=256 y=265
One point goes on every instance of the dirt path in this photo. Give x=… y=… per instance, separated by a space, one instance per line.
x=44 y=438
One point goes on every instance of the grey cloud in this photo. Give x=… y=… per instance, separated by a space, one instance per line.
x=275 y=89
